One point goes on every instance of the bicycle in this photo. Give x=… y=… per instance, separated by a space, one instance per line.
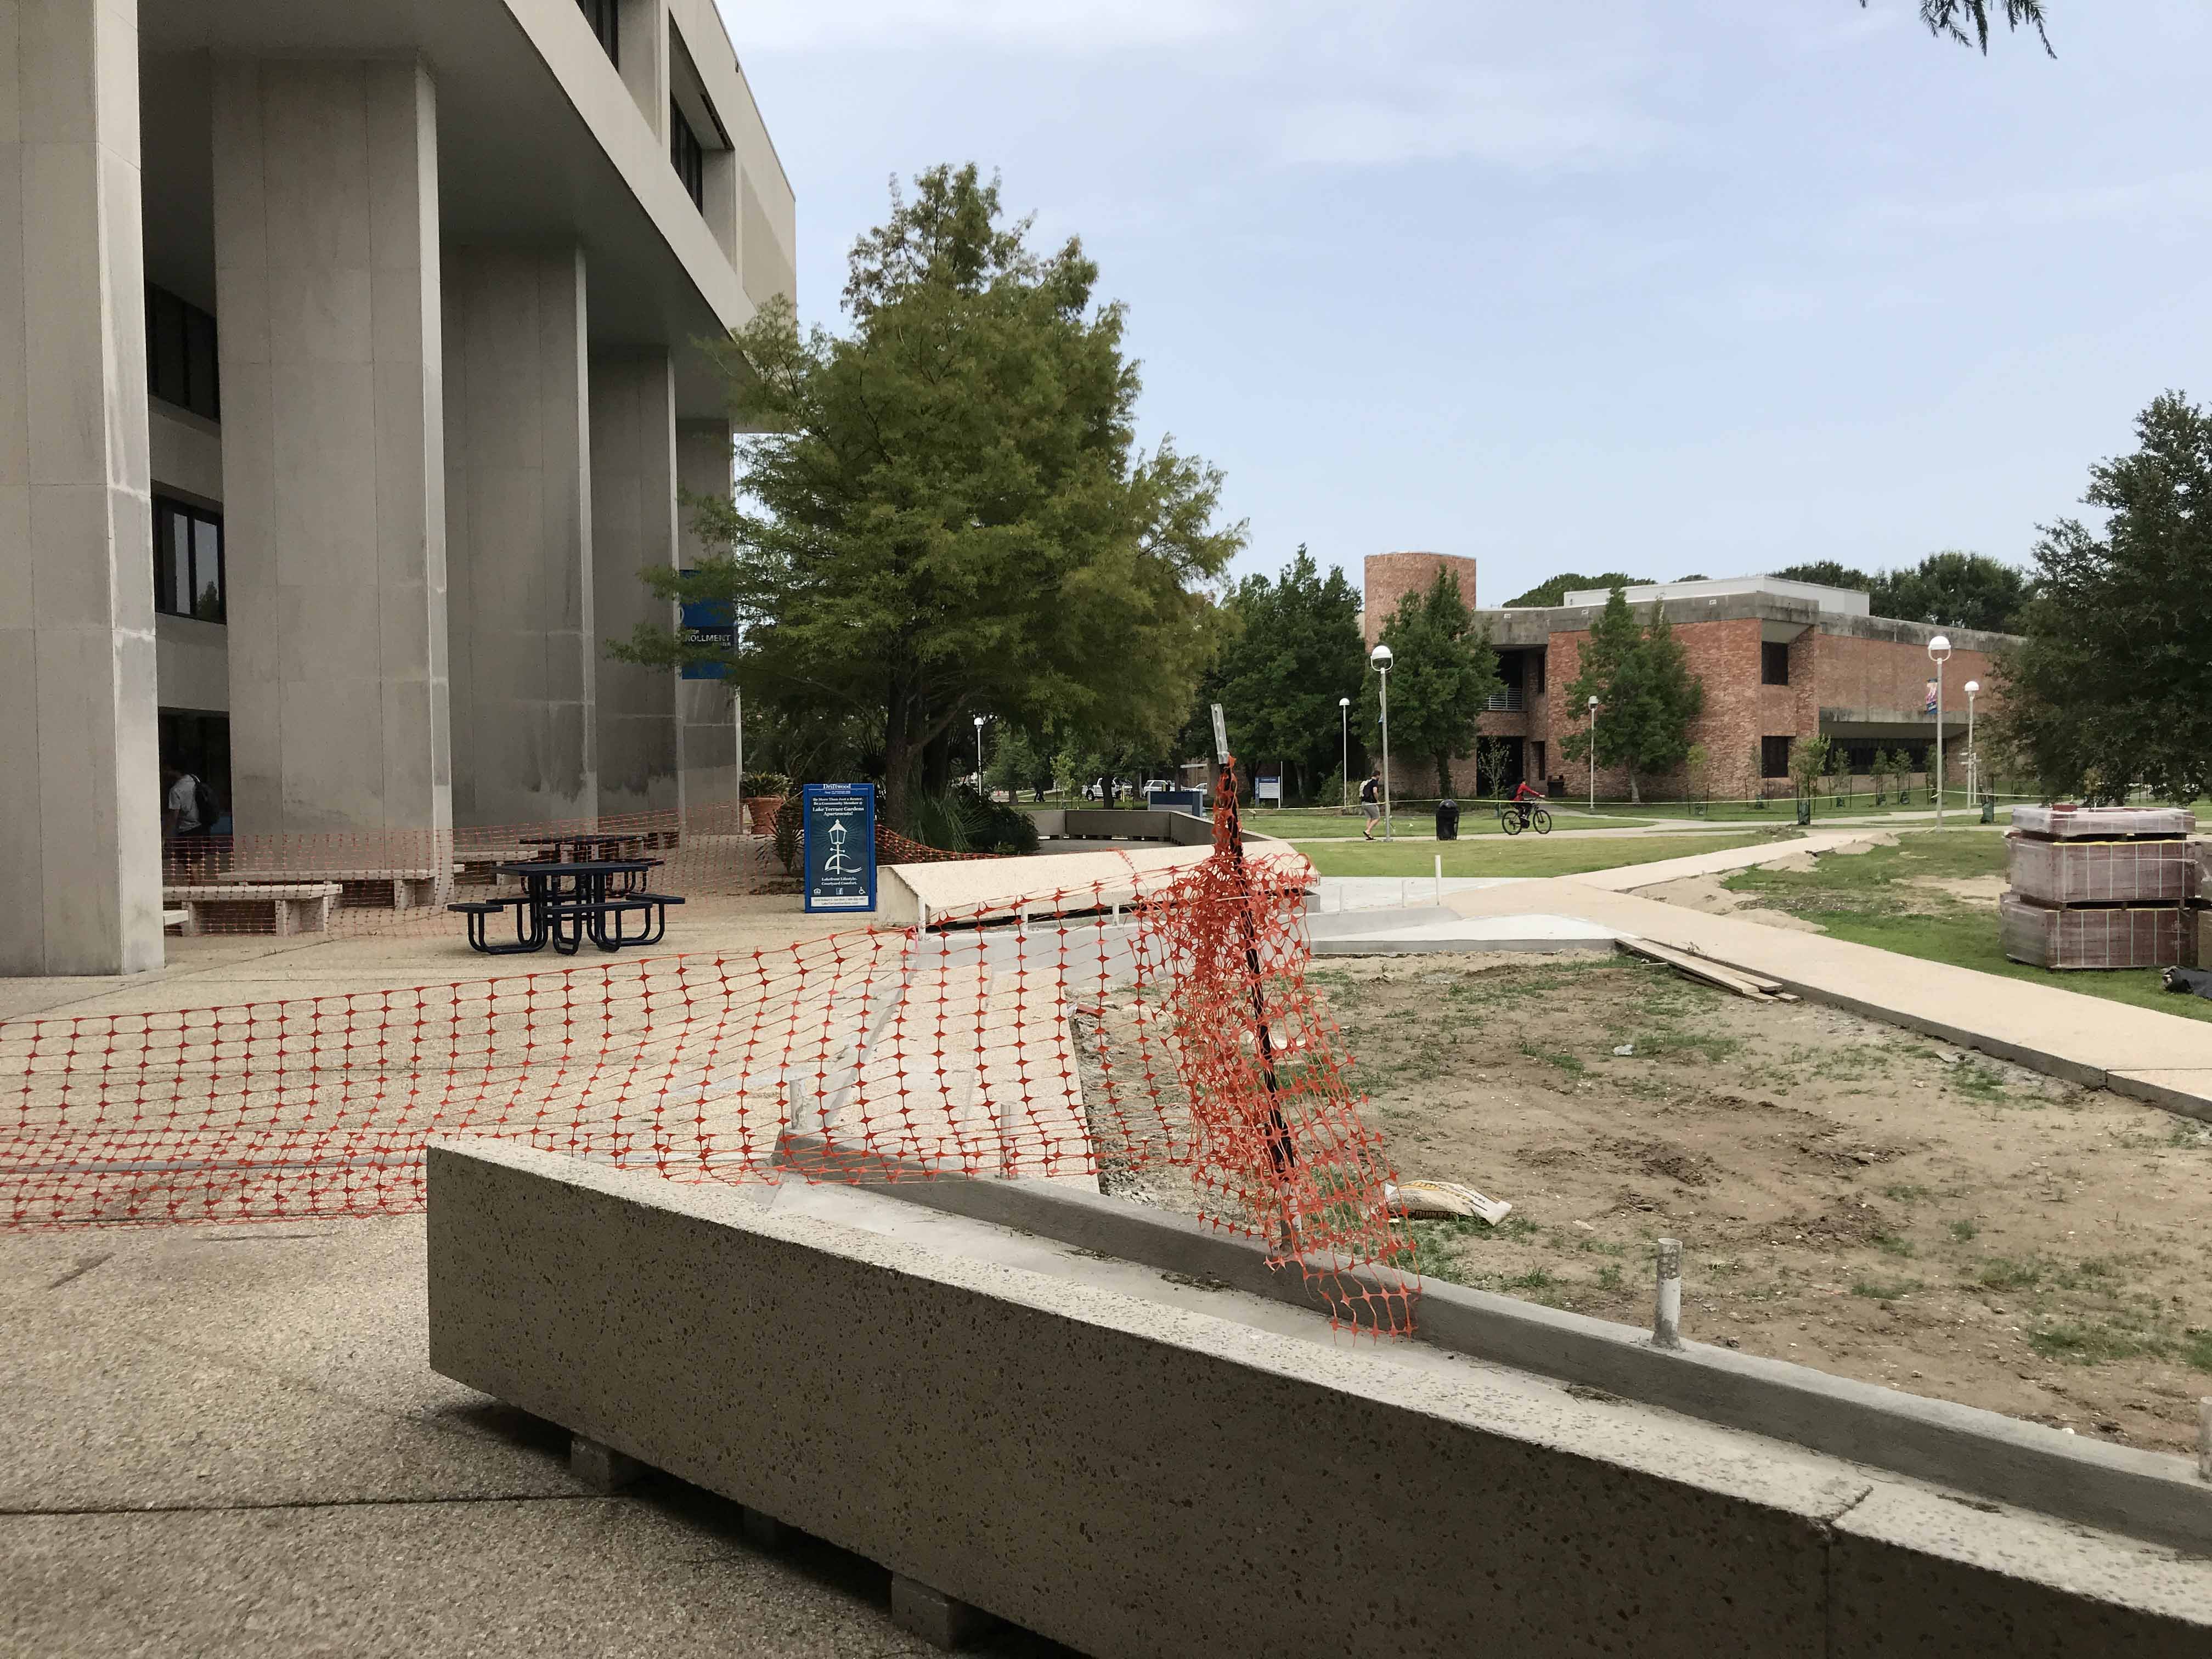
x=1513 y=819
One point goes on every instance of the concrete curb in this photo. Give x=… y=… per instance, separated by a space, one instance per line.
x=2147 y=1495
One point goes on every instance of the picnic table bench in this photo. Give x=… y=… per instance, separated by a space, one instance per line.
x=564 y=904
x=288 y=907
x=389 y=889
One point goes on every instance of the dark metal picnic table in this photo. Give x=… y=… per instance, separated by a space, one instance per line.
x=564 y=902
x=594 y=846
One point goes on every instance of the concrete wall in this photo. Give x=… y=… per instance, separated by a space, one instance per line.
x=634 y=525
x=706 y=735
x=1135 y=1477
x=518 y=536
x=79 y=865
x=326 y=277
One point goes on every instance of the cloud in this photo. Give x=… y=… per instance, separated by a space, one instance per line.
x=1481 y=114
x=1051 y=26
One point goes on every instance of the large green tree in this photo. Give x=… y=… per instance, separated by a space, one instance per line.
x=1293 y=649
x=945 y=511
x=1441 y=671
x=2112 y=684
x=1960 y=590
x=1647 y=697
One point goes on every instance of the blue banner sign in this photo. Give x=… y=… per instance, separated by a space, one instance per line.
x=837 y=837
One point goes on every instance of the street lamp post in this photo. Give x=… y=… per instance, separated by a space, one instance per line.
x=1344 y=766
x=979 y=755
x=1381 y=657
x=1939 y=652
x=1593 y=738
x=1973 y=755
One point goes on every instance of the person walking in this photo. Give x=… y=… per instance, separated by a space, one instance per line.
x=1370 y=803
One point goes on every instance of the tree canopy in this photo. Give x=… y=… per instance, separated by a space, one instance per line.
x=1953 y=19
x=1647 y=697
x=2112 y=684
x=943 y=512
x=1555 y=591
x=1959 y=590
x=1441 y=671
x=1293 y=648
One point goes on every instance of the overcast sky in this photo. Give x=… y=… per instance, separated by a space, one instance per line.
x=1669 y=286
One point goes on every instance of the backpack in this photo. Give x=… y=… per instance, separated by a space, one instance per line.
x=204 y=802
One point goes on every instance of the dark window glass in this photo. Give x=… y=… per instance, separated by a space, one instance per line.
x=688 y=155
x=1774 y=664
x=188 y=577
x=1539 y=686
x=180 y=354
x=605 y=18
x=1774 y=757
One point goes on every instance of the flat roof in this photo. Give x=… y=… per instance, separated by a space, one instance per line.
x=1843 y=601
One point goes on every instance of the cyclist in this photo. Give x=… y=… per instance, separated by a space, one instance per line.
x=1525 y=797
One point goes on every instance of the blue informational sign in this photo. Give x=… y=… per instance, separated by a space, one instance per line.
x=837 y=839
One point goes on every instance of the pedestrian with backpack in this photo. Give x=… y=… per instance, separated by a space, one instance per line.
x=188 y=806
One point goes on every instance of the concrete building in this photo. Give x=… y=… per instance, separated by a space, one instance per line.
x=1779 y=661
x=347 y=381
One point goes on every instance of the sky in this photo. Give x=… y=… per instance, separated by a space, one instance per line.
x=1669 y=287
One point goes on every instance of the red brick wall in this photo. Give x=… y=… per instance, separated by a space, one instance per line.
x=1890 y=677
x=1390 y=576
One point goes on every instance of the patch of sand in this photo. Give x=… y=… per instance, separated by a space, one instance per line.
x=1706 y=895
x=1984 y=890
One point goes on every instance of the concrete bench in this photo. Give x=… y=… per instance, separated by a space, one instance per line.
x=291 y=908
x=416 y=889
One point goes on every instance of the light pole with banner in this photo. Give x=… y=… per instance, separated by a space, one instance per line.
x=1939 y=652
x=1343 y=767
x=1973 y=755
x=1593 y=738
x=1381 y=657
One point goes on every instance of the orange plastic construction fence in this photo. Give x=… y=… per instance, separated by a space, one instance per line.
x=1154 y=1036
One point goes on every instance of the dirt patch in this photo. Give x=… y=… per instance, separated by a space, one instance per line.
x=1706 y=895
x=1982 y=892
x=1848 y=1195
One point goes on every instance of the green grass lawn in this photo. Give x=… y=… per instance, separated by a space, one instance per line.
x=1475 y=818
x=1521 y=855
x=1874 y=898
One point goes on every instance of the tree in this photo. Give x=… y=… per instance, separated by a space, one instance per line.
x=1961 y=589
x=1293 y=648
x=2113 y=680
x=1441 y=671
x=1555 y=591
x=1826 y=573
x=1948 y=18
x=945 y=511
x=1647 y=697
x=1017 y=763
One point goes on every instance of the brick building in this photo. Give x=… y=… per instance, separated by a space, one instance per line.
x=1779 y=660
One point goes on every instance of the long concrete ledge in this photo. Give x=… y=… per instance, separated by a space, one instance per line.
x=2147 y=1495
x=1133 y=1477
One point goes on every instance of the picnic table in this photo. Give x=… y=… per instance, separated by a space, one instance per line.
x=565 y=902
x=592 y=846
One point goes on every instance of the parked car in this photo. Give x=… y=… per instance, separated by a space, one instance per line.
x=1160 y=783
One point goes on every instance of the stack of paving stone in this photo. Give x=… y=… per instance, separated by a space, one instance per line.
x=2100 y=887
x=2196 y=925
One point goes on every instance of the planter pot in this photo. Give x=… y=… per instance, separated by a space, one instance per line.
x=760 y=810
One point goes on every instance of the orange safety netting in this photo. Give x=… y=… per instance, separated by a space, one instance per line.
x=1153 y=1036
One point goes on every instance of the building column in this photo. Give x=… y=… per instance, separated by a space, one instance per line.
x=519 y=533
x=634 y=515
x=80 y=788
x=706 y=735
x=326 y=282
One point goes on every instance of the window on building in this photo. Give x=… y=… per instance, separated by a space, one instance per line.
x=1536 y=688
x=187 y=561
x=605 y=17
x=1774 y=757
x=1536 y=760
x=1774 y=664
x=181 y=366
x=688 y=153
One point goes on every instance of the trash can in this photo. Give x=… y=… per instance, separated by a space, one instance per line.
x=1804 y=809
x=1447 y=820
x=1989 y=809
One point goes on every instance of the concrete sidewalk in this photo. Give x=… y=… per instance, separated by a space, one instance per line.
x=2160 y=1058
x=228 y=1441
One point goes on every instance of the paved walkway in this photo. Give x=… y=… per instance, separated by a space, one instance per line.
x=2161 y=1058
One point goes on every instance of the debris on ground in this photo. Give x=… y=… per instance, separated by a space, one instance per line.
x=1443 y=1200
x=2197 y=980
